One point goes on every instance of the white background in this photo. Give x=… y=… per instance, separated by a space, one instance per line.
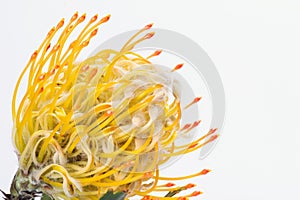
x=256 y=48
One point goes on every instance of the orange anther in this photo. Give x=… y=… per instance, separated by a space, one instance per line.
x=190 y=185
x=52 y=71
x=60 y=24
x=48 y=47
x=105 y=19
x=42 y=77
x=205 y=171
x=186 y=126
x=41 y=90
x=192 y=146
x=34 y=55
x=148 y=26
x=179 y=66
x=197 y=99
x=213 y=130
x=85 y=43
x=74 y=17
x=70 y=28
x=169 y=184
x=94 y=32
x=56 y=47
x=82 y=18
x=94 y=18
x=149 y=35
x=182 y=198
x=213 y=137
x=50 y=32
x=196 y=193
x=196 y=123
x=157 y=52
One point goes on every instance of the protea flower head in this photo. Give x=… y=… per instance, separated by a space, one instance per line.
x=100 y=127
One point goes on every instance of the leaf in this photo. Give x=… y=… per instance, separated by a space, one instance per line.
x=46 y=197
x=111 y=196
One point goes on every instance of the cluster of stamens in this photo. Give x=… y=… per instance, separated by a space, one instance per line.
x=105 y=123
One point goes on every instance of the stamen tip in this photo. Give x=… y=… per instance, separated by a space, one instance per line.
x=105 y=19
x=148 y=26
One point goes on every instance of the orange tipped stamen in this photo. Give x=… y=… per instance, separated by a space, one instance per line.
x=56 y=47
x=34 y=55
x=50 y=32
x=182 y=198
x=190 y=185
x=52 y=71
x=93 y=19
x=177 y=67
x=42 y=77
x=74 y=17
x=205 y=171
x=197 y=99
x=156 y=53
x=85 y=43
x=196 y=123
x=196 y=193
x=82 y=18
x=147 y=27
x=48 y=47
x=94 y=32
x=193 y=146
x=186 y=127
x=41 y=90
x=60 y=24
x=169 y=185
x=213 y=137
x=149 y=35
x=105 y=19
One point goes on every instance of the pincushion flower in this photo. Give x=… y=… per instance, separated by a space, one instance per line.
x=99 y=127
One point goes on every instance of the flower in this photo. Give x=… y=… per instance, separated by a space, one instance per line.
x=86 y=128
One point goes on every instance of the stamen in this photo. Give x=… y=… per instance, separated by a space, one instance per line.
x=50 y=33
x=169 y=184
x=197 y=99
x=149 y=35
x=56 y=47
x=177 y=67
x=60 y=24
x=148 y=26
x=42 y=77
x=186 y=127
x=48 y=47
x=93 y=19
x=105 y=19
x=34 y=55
x=81 y=19
x=156 y=53
x=94 y=32
x=74 y=17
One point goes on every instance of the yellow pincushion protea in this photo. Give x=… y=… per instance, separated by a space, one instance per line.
x=103 y=124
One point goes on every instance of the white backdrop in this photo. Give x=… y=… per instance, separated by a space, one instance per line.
x=255 y=46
